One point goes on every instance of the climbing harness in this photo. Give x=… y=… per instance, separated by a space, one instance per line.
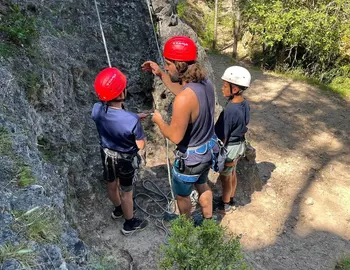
x=156 y=190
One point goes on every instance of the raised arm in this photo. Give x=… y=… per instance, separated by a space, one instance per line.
x=175 y=88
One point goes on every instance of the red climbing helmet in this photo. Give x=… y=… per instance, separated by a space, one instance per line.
x=109 y=84
x=180 y=48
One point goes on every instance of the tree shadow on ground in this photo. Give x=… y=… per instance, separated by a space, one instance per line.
x=305 y=132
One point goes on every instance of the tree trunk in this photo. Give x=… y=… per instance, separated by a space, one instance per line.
x=236 y=26
x=215 y=24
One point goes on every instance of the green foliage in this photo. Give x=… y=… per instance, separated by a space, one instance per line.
x=202 y=22
x=102 y=263
x=21 y=253
x=180 y=8
x=5 y=142
x=202 y=247
x=341 y=85
x=25 y=177
x=32 y=84
x=343 y=264
x=40 y=224
x=47 y=149
x=19 y=27
x=307 y=35
x=6 y=50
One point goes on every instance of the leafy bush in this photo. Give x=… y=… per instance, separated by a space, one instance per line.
x=40 y=224
x=20 y=28
x=20 y=252
x=25 y=177
x=311 y=36
x=343 y=264
x=202 y=247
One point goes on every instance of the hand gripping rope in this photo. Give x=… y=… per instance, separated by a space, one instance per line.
x=162 y=196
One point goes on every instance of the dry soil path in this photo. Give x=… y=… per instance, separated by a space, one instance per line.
x=301 y=218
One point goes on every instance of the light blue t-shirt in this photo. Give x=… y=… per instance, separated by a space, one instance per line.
x=118 y=129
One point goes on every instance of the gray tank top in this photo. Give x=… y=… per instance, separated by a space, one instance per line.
x=202 y=129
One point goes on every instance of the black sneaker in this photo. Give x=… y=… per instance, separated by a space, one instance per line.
x=134 y=225
x=233 y=204
x=224 y=208
x=118 y=212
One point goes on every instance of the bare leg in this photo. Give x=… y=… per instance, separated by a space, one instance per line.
x=185 y=205
x=205 y=199
x=127 y=204
x=234 y=181
x=226 y=183
x=113 y=192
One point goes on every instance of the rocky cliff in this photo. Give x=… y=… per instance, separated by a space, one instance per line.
x=50 y=173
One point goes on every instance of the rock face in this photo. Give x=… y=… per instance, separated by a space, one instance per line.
x=49 y=152
x=46 y=135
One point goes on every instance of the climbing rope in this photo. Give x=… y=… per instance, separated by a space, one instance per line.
x=102 y=34
x=170 y=201
x=150 y=8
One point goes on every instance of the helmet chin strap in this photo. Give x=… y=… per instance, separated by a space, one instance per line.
x=233 y=95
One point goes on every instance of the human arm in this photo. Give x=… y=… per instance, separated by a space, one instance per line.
x=220 y=127
x=141 y=144
x=140 y=137
x=142 y=115
x=175 y=88
x=182 y=110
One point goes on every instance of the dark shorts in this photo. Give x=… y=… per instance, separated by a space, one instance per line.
x=184 y=189
x=122 y=167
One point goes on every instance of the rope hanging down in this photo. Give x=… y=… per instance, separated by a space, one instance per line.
x=103 y=35
x=160 y=193
x=149 y=5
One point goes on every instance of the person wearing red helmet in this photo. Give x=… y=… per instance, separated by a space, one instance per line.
x=192 y=123
x=121 y=137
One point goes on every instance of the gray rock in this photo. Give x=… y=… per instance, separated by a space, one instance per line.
x=50 y=257
x=11 y=265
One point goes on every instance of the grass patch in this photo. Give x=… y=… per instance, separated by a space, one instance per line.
x=204 y=247
x=6 y=50
x=343 y=264
x=47 y=149
x=102 y=263
x=5 y=143
x=25 y=177
x=32 y=84
x=21 y=253
x=20 y=28
x=339 y=86
x=40 y=224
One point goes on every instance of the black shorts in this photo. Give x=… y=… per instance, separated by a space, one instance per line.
x=120 y=166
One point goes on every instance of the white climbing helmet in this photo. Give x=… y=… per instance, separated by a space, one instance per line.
x=237 y=75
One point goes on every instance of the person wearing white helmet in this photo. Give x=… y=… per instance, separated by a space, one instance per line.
x=231 y=128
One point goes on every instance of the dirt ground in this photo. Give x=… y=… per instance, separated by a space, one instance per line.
x=301 y=218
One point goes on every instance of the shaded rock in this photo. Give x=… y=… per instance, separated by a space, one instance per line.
x=11 y=265
x=28 y=199
x=51 y=257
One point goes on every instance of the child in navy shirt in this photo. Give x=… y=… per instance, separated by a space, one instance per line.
x=121 y=137
x=231 y=128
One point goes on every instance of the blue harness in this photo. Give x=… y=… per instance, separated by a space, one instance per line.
x=201 y=150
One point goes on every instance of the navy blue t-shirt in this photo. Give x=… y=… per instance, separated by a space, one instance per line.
x=118 y=129
x=232 y=122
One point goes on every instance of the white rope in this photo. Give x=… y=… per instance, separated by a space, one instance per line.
x=103 y=36
x=154 y=31
x=162 y=60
